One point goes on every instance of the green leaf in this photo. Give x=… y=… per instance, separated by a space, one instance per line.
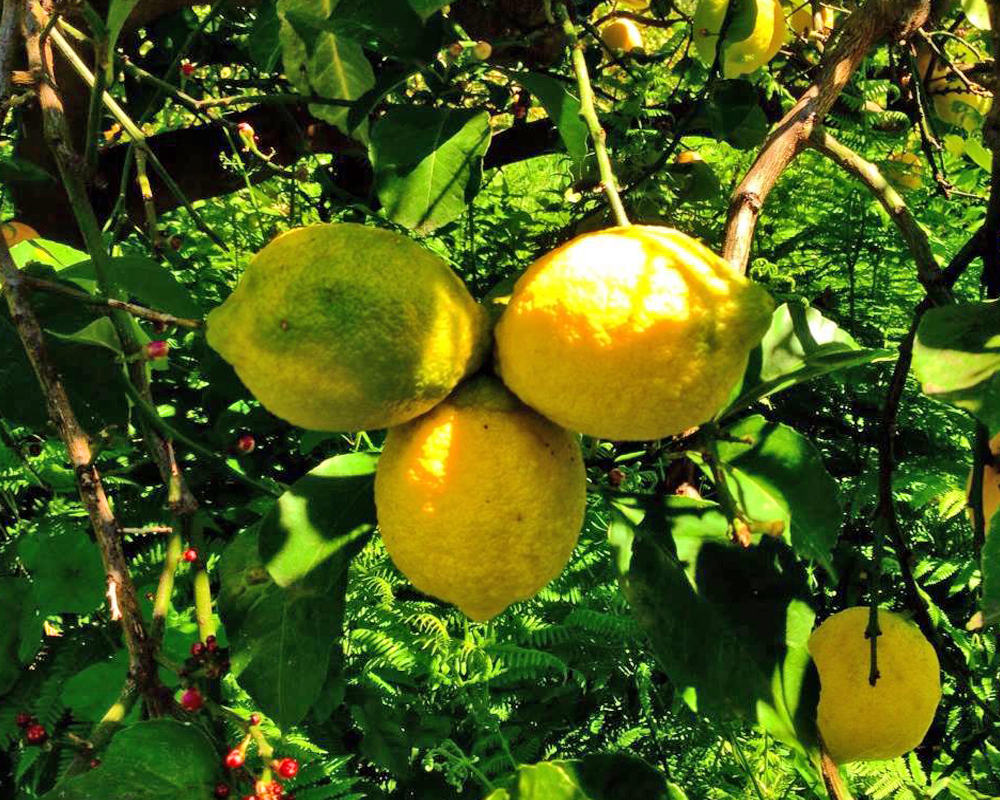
x=390 y=27
x=148 y=281
x=990 y=562
x=264 y=43
x=601 y=776
x=779 y=470
x=693 y=182
x=16 y=595
x=66 y=569
x=99 y=333
x=427 y=8
x=90 y=374
x=91 y=691
x=280 y=639
x=118 y=14
x=46 y=251
x=325 y=513
x=428 y=163
x=159 y=759
x=977 y=13
x=562 y=107
x=956 y=358
x=17 y=170
x=800 y=345
x=726 y=623
x=735 y=115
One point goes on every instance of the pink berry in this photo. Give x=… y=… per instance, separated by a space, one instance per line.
x=288 y=768
x=157 y=349
x=234 y=758
x=255 y=719
x=36 y=734
x=192 y=699
x=246 y=444
x=190 y=555
x=197 y=649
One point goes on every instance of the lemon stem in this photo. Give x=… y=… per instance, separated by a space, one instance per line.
x=588 y=113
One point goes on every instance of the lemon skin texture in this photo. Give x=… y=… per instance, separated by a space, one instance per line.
x=622 y=35
x=739 y=57
x=629 y=333
x=345 y=327
x=860 y=722
x=779 y=33
x=480 y=501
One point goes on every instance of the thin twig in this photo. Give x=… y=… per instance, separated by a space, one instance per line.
x=161 y=317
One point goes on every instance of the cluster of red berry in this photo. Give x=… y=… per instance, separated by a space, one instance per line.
x=207 y=658
x=34 y=733
x=266 y=787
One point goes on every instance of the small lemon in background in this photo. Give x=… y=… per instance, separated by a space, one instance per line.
x=622 y=36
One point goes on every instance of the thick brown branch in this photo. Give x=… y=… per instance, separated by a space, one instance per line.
x=862 y=30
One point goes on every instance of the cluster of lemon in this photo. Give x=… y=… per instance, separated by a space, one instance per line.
x=629 y=333
x=771 y=25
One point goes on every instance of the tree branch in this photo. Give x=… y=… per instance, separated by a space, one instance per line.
x=862 y=30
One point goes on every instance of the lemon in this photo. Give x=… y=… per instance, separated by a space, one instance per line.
x=779 y=32
x=480 y=502
x=904 y=170
x=956 y=104
x=861 y=722
x=739 y=57
x=345 y=327
x=991 y=485
x=629 y=333
x=622 y=35
x=802 y=22
x=689 y=157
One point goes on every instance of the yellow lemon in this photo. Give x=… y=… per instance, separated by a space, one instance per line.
x=904 y=169
x=345 y=327
x=629 y=333
x=779 y=33
x=861 y=722
x=688 y=157
x=622 y=35
x=957 y=105
x=480 y=502
x=991 y=485
x=802 y=23
x=635 y=5
x=739 y=57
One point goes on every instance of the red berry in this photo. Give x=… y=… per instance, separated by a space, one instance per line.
x=197 y=649
x=210 y=644
x=23 y=719
x=192 y=699
x=277 y=790
x=157 y=349
x=221 y=790
x=190 y=555
x=288 y=768
x=187 y=69
x=245 y=444
x=95 y=763
x=255 y=719
x=36 y=734
x=234 y=758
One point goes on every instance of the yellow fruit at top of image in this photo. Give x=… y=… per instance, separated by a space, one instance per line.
x=991 y=485
x=904 y=169
x=346 y=327
x=802 y=22
x=629 y=333
x=622 y=35
x=780 y=32
x=861 y=722
x=957 y=104
x=480 y=502
x=739 y=57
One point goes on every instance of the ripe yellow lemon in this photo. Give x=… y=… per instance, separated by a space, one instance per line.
x=779 y=34
x=345 y=327
x=739 y=57
x=861 y=722
x=957 y=105
x=802 y=22
x=991 y=485
x=622 y=35
x=904 y=169
x=480 y=502
x=629 y=333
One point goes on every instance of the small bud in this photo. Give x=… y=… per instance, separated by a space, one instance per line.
x=482 y=51
x=197 y=649
x=211 y=644
x=288 y=768
x=255 y=719
x=615 y=477
x=455 y=49
x=36 y=734
x=187 y=68
x=95 y=763
x=192 y=700
x=234 y=758
x=190 y=555
x=246 y=444
x=247 y=134
x=156 y=350
x=221 y=790
x=23 y=719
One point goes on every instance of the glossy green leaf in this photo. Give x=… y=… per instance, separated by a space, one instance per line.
x=956 y=358
x=146 y=280
x=118 y=14
x=977 y=13
x=800 y=345
x=427 y=8
x=159 y=759
x=562 y=107
x=324 y=513
x=280 y=639
x=778 y=474
x=66 y=570
x=428 y=163
x=264 y=43
x=735 y=116
x=714 y=610
x=390 y=27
